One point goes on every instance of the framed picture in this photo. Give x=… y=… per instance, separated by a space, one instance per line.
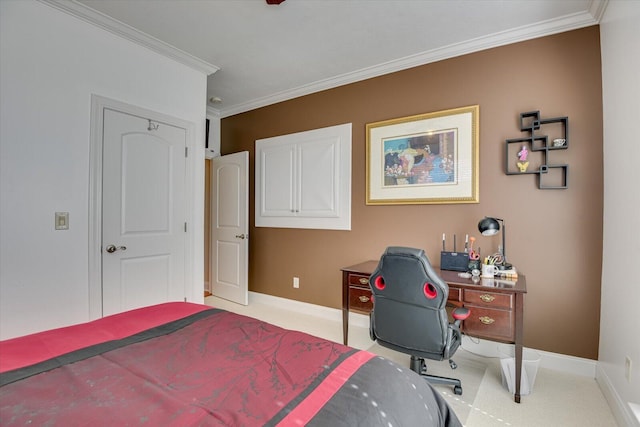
x=423 y=159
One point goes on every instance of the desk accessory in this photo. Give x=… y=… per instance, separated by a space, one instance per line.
x=474 y=264
x=490 y=226
x=474 y=256
x=454 y=261
x=489 y=270
x=508 y=274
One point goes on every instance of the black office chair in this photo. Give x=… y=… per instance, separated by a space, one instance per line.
x=409 y=313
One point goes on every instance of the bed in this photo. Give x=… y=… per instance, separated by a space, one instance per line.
x=184 y=364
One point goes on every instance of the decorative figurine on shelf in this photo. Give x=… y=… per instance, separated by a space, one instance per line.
x=523 y=164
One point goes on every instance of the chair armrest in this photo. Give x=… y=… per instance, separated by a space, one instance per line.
x=459 y=314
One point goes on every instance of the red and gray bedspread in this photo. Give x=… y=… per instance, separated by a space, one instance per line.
x=209 y=367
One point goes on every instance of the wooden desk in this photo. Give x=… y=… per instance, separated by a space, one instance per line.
x=496 y=306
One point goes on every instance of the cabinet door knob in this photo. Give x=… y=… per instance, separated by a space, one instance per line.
x=487 y=298
x=486 y=320
x=364 y=281
x=363 y=298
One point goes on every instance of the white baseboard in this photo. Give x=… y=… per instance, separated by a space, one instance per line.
x=625 y=414
x=569 y=364
x=556 y=361
x=328 y=313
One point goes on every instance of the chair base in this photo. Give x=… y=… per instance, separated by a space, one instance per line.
x=418 y=365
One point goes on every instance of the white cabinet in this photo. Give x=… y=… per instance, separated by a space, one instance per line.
x=303 y=180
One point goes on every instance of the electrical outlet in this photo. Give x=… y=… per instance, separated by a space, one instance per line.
x=296 y=282
x=627 y=368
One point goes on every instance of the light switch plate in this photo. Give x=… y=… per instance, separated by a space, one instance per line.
x=62 y=221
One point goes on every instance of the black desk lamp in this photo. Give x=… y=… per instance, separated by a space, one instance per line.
x=489 y=226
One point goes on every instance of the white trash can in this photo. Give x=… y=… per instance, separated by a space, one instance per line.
x=530 y=363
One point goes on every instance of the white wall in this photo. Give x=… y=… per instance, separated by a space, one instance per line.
x=214 y=135
x=51 y=64
x=620 y=313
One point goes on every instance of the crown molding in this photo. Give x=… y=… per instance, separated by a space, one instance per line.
x=125 y=31
x=214 y=112
x=545 y=28
x=528 y=32
x=597 y=8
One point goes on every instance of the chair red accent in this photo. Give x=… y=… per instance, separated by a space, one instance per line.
x=430 y=291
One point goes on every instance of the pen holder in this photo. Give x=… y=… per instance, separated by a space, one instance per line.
x=454 y=261
x=474 y=264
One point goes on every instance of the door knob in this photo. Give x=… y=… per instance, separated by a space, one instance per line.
x=241 y=236
x=112 y=248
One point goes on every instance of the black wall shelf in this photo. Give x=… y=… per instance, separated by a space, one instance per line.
x=536 y=142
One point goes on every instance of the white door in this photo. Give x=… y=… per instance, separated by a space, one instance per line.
x=143 y=212
x=230 y=227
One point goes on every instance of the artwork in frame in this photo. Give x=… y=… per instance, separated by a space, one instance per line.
x=424 y=159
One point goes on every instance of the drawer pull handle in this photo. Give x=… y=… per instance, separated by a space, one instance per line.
x=363 y=298
x=487 y=298
x=364 y=280
x=486 y=320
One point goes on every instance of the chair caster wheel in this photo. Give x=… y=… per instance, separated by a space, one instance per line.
x=457 y=390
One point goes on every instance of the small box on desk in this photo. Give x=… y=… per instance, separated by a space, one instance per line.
x=455 y=261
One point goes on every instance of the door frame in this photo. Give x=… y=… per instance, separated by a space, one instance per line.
x=98 y=105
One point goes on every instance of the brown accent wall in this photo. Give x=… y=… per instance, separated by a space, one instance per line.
x=554 y=237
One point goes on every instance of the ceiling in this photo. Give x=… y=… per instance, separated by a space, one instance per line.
x=258 y=54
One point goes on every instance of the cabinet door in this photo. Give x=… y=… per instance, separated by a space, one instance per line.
x=277 y=173
x=303 y=180
x=318 y=190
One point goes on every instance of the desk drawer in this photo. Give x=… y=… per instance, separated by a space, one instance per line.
x=488 y=299
x=360 y=299
x=490 y=324
x=454 y=295
x=359 y=280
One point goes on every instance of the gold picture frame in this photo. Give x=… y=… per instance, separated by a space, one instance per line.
x=429 y=158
